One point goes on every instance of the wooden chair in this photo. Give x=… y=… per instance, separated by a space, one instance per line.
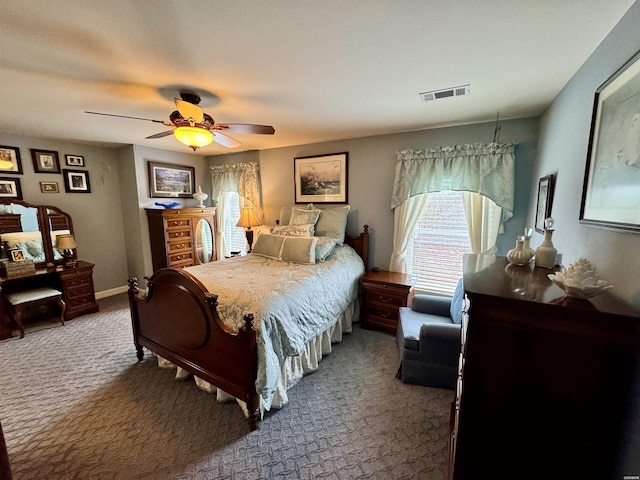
x=21 y=301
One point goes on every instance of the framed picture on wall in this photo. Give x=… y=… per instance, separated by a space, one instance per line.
x=10 y=188
x=76 y=181
x=74 y=160
x=321 y=179
x=611 y=187
x=49 y=187
x=45 y=161
x=167 y=180
x=545 y=197
x=10 y=159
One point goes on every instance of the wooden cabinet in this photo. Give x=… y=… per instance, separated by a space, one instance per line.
x=384 y=293
x=77 y=290
x=10 y=222
x=548 y=385
x=181 y=237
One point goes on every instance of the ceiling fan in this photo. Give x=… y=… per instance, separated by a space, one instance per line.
x=191 y=126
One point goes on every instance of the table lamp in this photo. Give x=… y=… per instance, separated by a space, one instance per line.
x=248 y=220
x=66 y=244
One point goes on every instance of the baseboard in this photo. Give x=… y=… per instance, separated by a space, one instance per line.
x=111 y=292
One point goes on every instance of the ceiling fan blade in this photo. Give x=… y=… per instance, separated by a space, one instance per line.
x=160 y=135
x=189 y=110
x=125 y=116
x=225 y=140
x=246 y=128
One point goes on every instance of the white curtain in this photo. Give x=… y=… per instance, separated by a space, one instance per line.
x=405 y=217
x=483 y=219
x=240 y=178
x=483 y=169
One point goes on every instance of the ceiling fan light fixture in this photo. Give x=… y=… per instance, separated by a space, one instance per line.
x=193 y=137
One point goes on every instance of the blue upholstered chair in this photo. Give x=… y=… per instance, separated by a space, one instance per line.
x=428 y=339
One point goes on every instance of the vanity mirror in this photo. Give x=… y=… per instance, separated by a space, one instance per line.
x=33 y=229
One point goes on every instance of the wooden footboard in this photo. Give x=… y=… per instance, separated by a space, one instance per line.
x=177 y=319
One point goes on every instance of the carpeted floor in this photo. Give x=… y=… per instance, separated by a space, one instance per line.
x=77 y=405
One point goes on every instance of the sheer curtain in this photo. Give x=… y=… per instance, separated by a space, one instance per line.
x=484 y=170
x=240 y=178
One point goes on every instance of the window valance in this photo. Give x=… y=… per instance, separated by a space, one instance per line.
x=487 y=169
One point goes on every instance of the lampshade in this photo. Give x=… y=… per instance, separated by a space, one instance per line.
x=193 y=137
x=65 y=242
x=248 y=218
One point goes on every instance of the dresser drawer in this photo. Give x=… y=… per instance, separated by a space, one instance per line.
x=79 y=291
x=77 y=281
x=179 y=234
x=75 y=303
x=172 y=223
x=178 y=258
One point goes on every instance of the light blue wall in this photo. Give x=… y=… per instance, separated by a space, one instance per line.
x=562 y=151
x=372 y=162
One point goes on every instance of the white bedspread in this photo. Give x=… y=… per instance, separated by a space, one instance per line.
x=291 y=303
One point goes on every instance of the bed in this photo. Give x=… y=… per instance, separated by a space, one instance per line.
x=216 y=322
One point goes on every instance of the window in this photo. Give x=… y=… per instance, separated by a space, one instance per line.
x=234 y=237
x=439 y=241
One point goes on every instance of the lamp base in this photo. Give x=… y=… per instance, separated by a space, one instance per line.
x=249 y=235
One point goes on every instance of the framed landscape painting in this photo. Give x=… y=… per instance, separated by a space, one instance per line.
x=167 y=180
x=611 y=188
x=321 y=179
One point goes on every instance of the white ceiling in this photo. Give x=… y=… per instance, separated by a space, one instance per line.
x=317 y=70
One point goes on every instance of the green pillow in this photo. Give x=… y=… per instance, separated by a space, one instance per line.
x=268 y=246
x=299 y=249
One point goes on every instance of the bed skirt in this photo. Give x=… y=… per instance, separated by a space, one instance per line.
x=293 y=369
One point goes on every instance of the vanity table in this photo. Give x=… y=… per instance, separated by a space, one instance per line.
x=33 y=228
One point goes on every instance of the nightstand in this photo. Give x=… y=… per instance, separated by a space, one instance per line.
x=384 y=293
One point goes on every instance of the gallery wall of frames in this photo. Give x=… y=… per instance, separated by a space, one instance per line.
x=71 y=175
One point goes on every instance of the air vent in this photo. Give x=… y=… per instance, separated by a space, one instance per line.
x=444 y=93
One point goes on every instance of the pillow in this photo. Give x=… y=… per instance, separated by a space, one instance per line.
x=285 y=215
x=332 y=222
x=456 y=304
x=324 y=247
x=268 y=246
x=299 y=249
x=303 y=230
x=300 y=216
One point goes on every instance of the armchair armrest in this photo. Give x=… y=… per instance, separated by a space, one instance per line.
x=433 y=304
x=449 y=332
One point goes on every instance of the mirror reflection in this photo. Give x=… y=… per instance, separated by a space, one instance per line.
x=33 y=230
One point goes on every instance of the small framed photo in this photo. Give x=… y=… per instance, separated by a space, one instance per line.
x=49 y=187
x=10 y=159
x=75 y=160
x=76 y=181
x=45 y=161
x=10 y=188
x=17 y=255
x=545 y=197
x=321 y=178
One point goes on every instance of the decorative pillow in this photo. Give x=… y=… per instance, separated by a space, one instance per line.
x=268 y=246
x=301 y=217
x=324 y=247
x=304 y=230
x=332 y=222
x=285 y=215
x=299 y=249
x=456 y=304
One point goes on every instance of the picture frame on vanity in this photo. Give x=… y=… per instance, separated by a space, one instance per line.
x=611 y=187
x=168 y=180
x=545 y=198
x=321 y=178
x=10 y=161
x=45 y=161
x=10 y=188
x=76 y=181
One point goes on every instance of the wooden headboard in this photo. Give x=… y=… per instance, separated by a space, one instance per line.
x=360 y=244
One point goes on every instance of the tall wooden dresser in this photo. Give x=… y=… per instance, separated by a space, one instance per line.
x=181 y=237
x=549 y=386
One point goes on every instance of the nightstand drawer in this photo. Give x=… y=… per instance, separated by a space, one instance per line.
x=384 y=293
x=386 y=298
